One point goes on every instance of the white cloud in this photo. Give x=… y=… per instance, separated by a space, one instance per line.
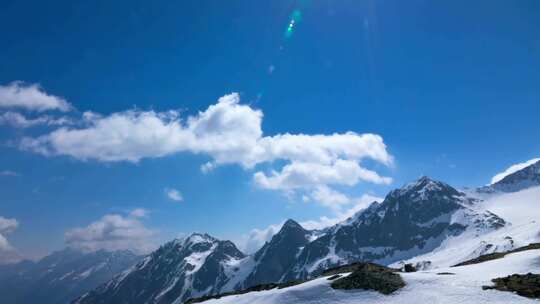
x=330 y=197
x=358 y=204
x=30 y=97
x=302 y=174
x=255 y=239
x=229 y=133
x=8 y=225
x=17 y=120
x=114 y=232
x=174 y=195
x=513 y=169
x=9 y=173
x=139 y=212
x=207 y=167
x=8 y=254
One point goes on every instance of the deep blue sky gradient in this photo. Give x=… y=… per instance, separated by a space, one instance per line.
x=452 y=87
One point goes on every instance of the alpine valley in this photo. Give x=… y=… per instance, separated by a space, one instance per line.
x=427 y=224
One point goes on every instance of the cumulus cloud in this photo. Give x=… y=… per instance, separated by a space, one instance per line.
x=229 y=133
x=329 y=197
x=512 y=169
x=30 y=97
x=303 y=174
x=8 y=254
x=356 y=205
x=174 y=194
x=17 y=120
x=255 y=239
x=114 y=232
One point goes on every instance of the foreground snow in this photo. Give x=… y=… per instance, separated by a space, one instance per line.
x=422 y=287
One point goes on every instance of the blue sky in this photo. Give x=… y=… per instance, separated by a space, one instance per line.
x=450 y=88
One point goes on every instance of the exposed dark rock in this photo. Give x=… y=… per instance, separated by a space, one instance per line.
x=526 y=285
x=497 y=255
x=422 y=265
x=446 y=273
x=276 y=257
x=336 y=276
x=409 y=268
x=371 y=277
x=357 y=266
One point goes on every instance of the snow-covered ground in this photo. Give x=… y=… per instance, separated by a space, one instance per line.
x=422 y=287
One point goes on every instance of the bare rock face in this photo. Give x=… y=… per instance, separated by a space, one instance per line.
x=371 y=277
x=526 y=285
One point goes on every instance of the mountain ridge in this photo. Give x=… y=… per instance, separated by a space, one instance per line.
x=61 y=276
x=411 y=220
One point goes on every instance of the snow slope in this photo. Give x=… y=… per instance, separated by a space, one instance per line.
x=422 y=287
x=520 y=209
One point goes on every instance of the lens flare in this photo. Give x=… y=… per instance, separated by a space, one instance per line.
x=296 y=17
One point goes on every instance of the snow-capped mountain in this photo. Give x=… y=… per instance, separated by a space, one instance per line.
x=61 y=276
x=439 y=280
x=410 y=221
x=521 y=212
x=273 y=261
x=446 y=285
x=522 y=179
x=181 y=269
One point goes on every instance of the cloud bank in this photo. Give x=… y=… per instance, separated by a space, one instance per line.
x=228 y=132
x=114 y=232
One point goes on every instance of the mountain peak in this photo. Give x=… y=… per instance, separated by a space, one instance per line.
x=426 y=181
x=422 y=186
x=197 y=237
x=291 y=224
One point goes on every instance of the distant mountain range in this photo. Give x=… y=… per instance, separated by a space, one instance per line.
x=411 y=221
x=61 y=276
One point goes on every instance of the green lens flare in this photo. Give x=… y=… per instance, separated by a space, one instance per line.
x=296 y=17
